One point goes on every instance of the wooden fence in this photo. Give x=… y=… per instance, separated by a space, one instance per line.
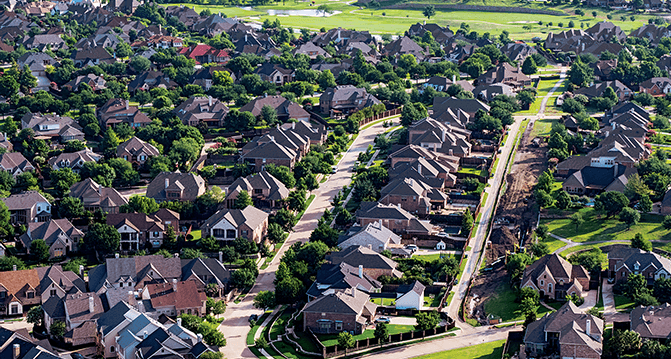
x=381 y=115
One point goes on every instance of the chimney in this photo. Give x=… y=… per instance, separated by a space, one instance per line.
x=454 y=78
x=174 y=285
x=443 y=135
x=450 y=152
x=245 y=37
x=200 y=338
x=126 y=105
x=16 y=352
x=81 y=272
x=293 y=125
x=419 y=168
x=399 y=205
x=221 y=256
x=116 y=255
x=587 y=326
x=360 y=271
x=179 y=322
x=167 y=182
x=91 y=305
x=14 y=268
x=131 y=297
x=370 y=246
x=145 y=335
x=176 y=255
x=209 y=100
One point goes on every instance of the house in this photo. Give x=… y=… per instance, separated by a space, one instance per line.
x=605 y=31
x=204 y=77
x=651 y=265
x=414 y=196
x=124 y=6
x=59 y=234
x=592 y=181
x=485 y=92
x=469 y=106
x=15 y=163
x=159 y=41
x=139 y=230
x=651 y=322
x=656 y=86
x=228 y=224
x=264 y=188
x=74 y=160
x=28 y=207
x=554 y=277
x=52 y=127
x=20 y=345
x=603 y=69
x=164 y=343
x=404 y=46
x=438 y=137
x=38 y=62
x=206 y=271
x=176 y=298
x=82 y=310
x=311 y=50
x=506 y=74
x=347 y=310
x=19 y=291
x=6 y=143
x=133 y=273
x=316 y=133
x=373 y=263
x=56 y=284
x=341 y=37
x=116 y=111
x=214 y=25
x=136 y=151
x=433 y=172
x=148 y=80
x=43 y=42
x=439 y=83
x=91 y=56
x=96 y=83
x=281 y=146
x=277 y=74
x=420 y=29
x=205 y=54
x=201 y=109
x=598 y=90
x=185 y=14
x=340 y=277
x=176 y=186
x=410 y=296
x=110 y=324
x=518 y=51
x=284 y=108
x=568 y=332
x=94 y=196
x=393 y=217
x=345 y=99
x=373 y=235
x=411 y=154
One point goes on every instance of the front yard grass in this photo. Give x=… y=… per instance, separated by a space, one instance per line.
x=542 y=127
x=255 y=328
x=278 y=326
x=599 y=228
x=623 y=303
x=491 y=350
x=474 y=171
x=384 y=301
x=332 y=339
x=504 y=305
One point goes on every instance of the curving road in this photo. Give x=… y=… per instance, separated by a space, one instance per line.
x=236 y=326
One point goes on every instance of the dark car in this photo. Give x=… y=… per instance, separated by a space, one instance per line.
x=77 y=356
x=253 y=317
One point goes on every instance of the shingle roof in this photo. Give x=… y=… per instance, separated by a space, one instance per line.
x=260 y=180
x=249 y=216
x=93 y=194
x=77 y=306
x=341 y=302
x=186 y=295
x=194 y=185
x=359 y=255
x=24 y=200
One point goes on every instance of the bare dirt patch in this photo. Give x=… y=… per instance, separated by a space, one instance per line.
x=482 y=288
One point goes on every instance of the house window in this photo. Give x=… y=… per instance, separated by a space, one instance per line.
x=258 y=191
x=219 y=233
x=3 y=295
x=244 y=232
x=338 y=325
x=230 y=233
x=155 y=234
x=14 y=309
x=324 y=325
x=112 y=349
x=189 y=311
x=31 y=295
x=542 y=282
x=52 y=293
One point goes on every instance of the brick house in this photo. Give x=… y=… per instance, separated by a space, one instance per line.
x=656 y=86
x=197 y=109
x=374 y=264
x=15 y=163
x=414 y=196
x=373 y=235
x=178 y=297
x=265 y=190
x=206 y=271
x=116 y=111
x=94 y=196
x=345 y=99
x=651 y=265
x=392 y=216
x=284 y=108
x=554 y=277
x=651 y=322
x=136 y=151
x=139 y=230
x=568 y=332
x=228 y=224
x=176 y=186
x=27 y=207
x=347 y=310
x=19 y=291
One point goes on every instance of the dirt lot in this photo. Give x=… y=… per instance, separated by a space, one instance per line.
x=530 y=162
x=482 y=288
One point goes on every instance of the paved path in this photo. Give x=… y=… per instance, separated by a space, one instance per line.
x=590 y=300
x=236 y=325
x=562 y=76
x=608 y=298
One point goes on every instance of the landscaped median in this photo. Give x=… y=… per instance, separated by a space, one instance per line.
x=492 y=350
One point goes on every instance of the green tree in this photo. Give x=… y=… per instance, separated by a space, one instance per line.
x=7 y=263
x=35 y=316
x=326 y=79
x=539 y=249
x=529 y=66
x=427 y=320
x=110 y=142
x=123 y=50
x=216 y=307
x=611 y=202
x=645 y=204
x=529 y=308
x=577 y=220
x=39 y=250
x=140 y=204
x=243 y=200
x=57 y=328
x=243 y=278
x=429 y=11
x=139 y=64
x=325 y=233
x=580 y=74
x=517 y=263
x=466 y=223
x=592 y=260
x=275 y=233
x=563 y=200
x=63 y=179
x=265 y=299
x=297 y=200
x=71 y=207
x=381 y=332
x=629 y=216
x=125 y=174
x=261 y=343
x=215 y=355
x=641 y=243
x=346 y=340
x=102 y=238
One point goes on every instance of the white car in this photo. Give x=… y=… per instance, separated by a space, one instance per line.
x=413 y=248
x=442 y=234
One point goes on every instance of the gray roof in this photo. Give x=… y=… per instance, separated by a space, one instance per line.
x=261 y=180
x=210 y=267
x=93 y=194
x=135 y=145
x=134 y=269
x=193 y=184
x=415 y=286
x=250 y=216
x=570 y=323
x=341 y=302
x=23 y=200
x=113 y=317
x=359 y=255
x=652 y=322
x=51 y=231
x=374 y=232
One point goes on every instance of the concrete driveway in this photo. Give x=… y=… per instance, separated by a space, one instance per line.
x=608 y=298
x=403 y=320
x=236 y=326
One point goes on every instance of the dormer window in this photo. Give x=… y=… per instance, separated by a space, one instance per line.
x=636 y=266
x=30 y=294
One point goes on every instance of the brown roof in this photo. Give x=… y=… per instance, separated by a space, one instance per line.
x=77 y=306
x=652 y=322
x=185 y=296
x=16 y=282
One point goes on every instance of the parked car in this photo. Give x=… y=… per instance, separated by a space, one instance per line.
x=413 y=248
x=442 y=234
x=382 y=320
x=334 y=169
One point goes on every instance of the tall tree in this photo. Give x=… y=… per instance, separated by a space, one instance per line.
x=243 y=200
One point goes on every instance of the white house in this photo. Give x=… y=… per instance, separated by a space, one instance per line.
x=410 y=296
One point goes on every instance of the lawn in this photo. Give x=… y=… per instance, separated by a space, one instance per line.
x=475 y=171
x=305 y=342
x=623 y=303
x=435 y=301
x=279 y=324
x=553 y=244
x=491 y=350
x=542 y=127
x=598 y=228
x=196 y=235
x=255 y=328
x=384 y=301
x=332 y=339
x=503 y=304
x=397 y=21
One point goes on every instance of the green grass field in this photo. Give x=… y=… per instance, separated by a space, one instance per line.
x=279 y=324
x=542 y=127
x=383 y=301
x=492 y=350
x=332 y=339
x=553 y=244
x=623 y=303
x=475 y=171
x=397 y=21
x=598 y=228
x=503 y=304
